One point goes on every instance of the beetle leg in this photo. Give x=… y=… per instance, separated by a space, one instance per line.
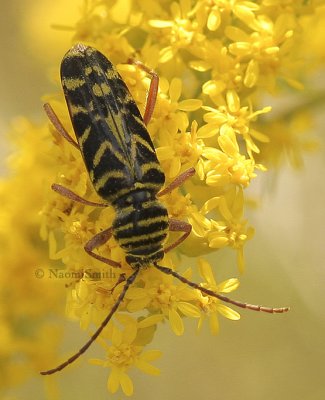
x=152 y=92
x=98 y=240
x=178 y=181
x=65 y=192
x=58 y=125
x=176 y=225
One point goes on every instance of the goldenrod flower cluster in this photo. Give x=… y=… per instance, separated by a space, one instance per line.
x=217 y=61
x=28 y=338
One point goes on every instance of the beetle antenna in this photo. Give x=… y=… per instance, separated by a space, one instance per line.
x=128 y=282
x=209 y=292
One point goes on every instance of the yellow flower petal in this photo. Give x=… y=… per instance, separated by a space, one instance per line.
x=217 y=241
x=214 y=20
x=188 y=309
x=206 y=272
x=175 y=89
x=113 y=381
x=228 y=286
x=176 y=322
x=147 y=368
x=200 y=66
x=126 y=384
x=138 y=304
x=224 y=209
x=156 y=23
x=199 y=224
x=228 y=145
x=151 y=320
x=233 y=100
x=251 y=74
x=166 y=54
x=135 y=293
x=259 y=136
x=213 y=88
x=189 y=105
x=151 y=355
x=228 y=312
x=116 y=336
x=214 y=324
x=207 y=131
x=240 y=49
x=210 y=205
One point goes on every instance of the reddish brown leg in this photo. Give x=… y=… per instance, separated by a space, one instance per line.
x=65 y=192
x=108 y=292
x=150 y=106
x=98 y=240
x=58 y=125
x=178 y=181
x=121 y=278
x=152 y=92
x=194 y=285
x=178 y=226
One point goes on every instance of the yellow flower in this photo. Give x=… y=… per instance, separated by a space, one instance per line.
x=92 y=296
x=185 y=149
x=126 y=352
x=227 y=228
x=291 y=136
x=229 y=121
x=183 y=30
x=28 y=339
x=160 y=295
x=212 y=306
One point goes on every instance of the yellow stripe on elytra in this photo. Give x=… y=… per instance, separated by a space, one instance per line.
x=144 y=143
x=108 y=146
x=111 y=74
x=97 y=90
x=148 y=166
x=99 y=71
x=78 y=109
x=84 y=136
x=117 y=129
x=99 y=153
x=102 y=149
x=129 y=99
x=105 y=88
x=72 y=83
x=101 y=90
x=101 y=182
x=139 y=120
x=88 y=70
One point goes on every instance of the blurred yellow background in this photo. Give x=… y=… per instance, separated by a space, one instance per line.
x=261 y=357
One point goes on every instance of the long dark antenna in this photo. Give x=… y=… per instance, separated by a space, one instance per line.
x=128 y=282
x=194 y=285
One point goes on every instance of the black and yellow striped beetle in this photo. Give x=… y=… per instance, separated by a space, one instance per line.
x=123 y=168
